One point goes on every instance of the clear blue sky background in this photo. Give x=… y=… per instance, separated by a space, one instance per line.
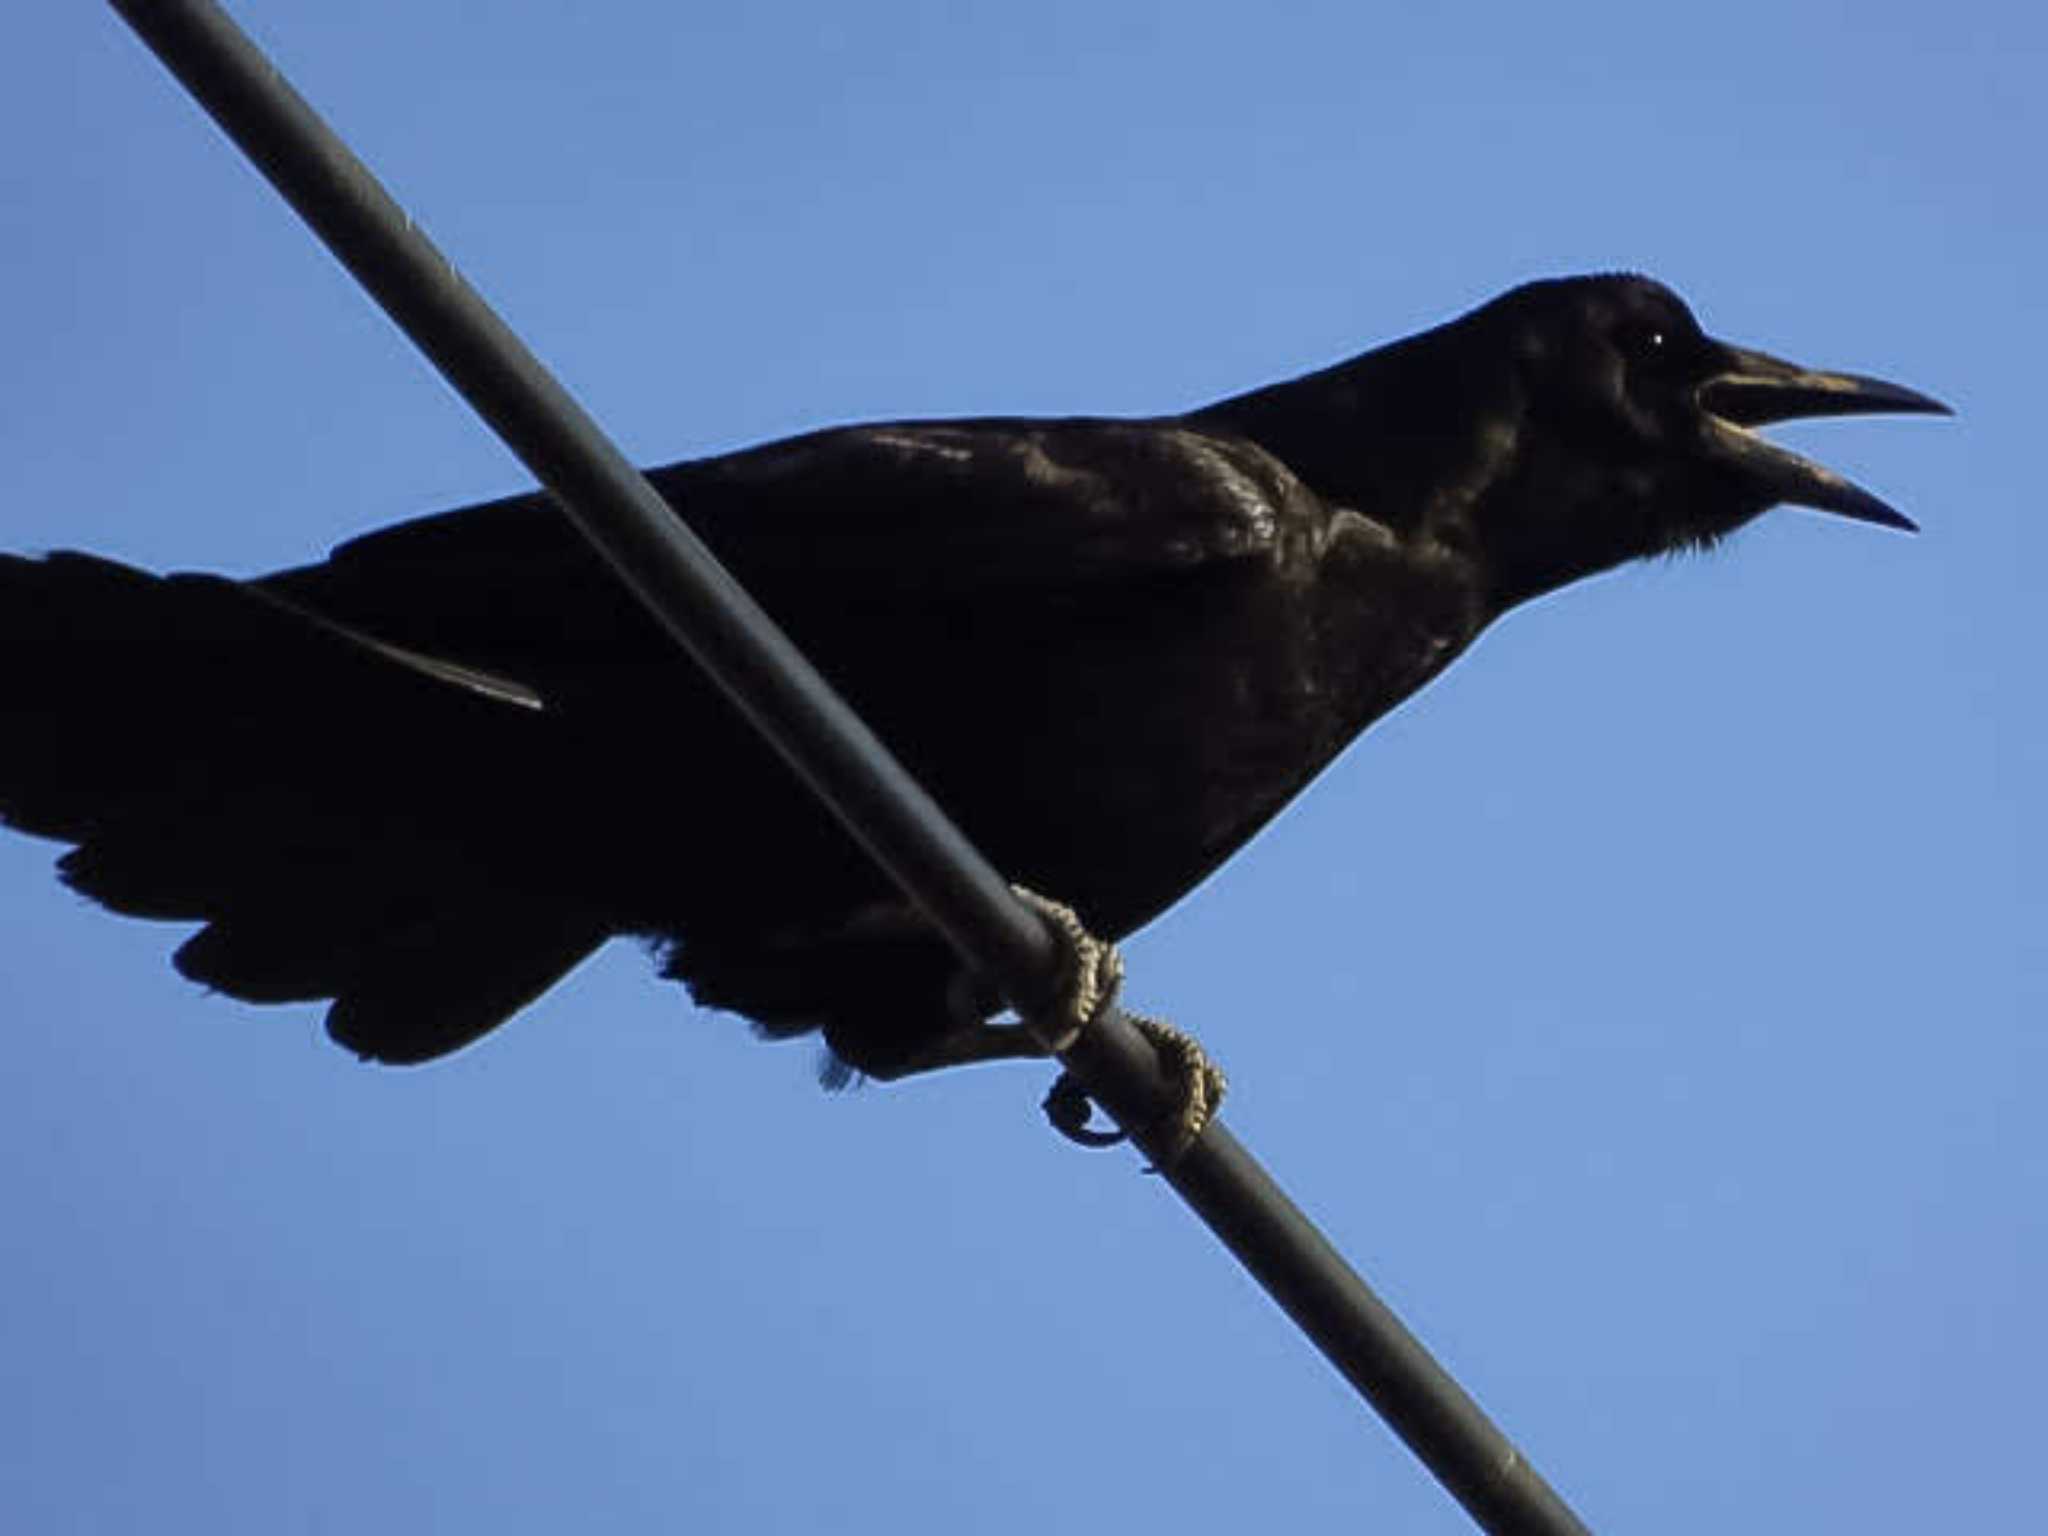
x=1652 y=1008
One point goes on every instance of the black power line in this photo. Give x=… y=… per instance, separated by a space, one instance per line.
x=708 y=612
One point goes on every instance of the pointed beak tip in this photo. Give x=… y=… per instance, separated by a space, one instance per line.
x=1912 y=402
x=1853 y=503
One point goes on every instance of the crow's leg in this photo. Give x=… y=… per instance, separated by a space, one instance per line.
x=1094 y=970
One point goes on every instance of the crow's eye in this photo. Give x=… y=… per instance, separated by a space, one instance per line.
x=1650 y=345
x=1646 y=341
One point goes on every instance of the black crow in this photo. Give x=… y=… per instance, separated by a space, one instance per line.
x=427 y=776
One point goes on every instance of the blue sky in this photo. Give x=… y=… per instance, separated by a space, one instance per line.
x=1651 y=1008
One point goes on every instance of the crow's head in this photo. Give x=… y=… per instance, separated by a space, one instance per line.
x=1629 y=431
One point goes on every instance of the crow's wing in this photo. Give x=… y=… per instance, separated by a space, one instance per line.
x=850 y=527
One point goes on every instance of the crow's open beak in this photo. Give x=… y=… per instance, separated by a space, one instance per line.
x=1754 y=388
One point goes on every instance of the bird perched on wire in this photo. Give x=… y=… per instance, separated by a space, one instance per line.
x=427 y=776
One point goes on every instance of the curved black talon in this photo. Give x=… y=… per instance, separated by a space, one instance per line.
x=1201 y=1086
x=1069 y=1108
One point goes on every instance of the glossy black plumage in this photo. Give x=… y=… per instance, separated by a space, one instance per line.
x=426 y=776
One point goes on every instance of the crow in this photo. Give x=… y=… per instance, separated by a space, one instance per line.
x=426 y=777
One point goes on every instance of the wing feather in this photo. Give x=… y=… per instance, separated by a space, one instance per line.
x=837 y=526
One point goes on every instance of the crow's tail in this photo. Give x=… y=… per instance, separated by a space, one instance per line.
x=346 y=826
